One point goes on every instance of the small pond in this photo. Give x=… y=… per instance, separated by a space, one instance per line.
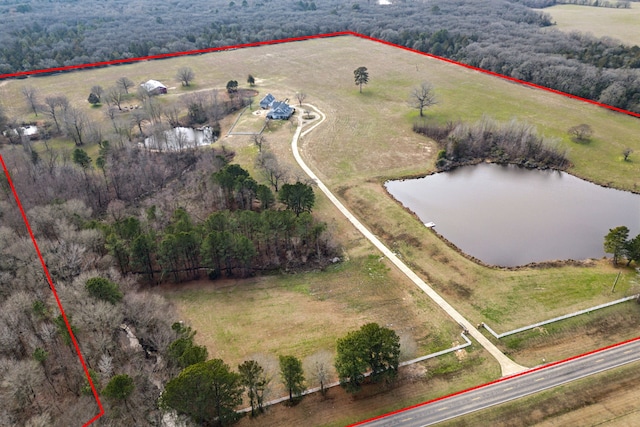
x=180 y=138
x=510 y=216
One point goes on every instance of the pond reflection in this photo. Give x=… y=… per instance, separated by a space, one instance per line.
x=510 y=216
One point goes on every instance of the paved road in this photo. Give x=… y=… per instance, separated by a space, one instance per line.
x=511 y=388
x=507 y=365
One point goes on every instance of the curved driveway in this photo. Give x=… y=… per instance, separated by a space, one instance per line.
x=508 y=366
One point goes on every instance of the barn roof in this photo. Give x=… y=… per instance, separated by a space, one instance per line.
x=150 y=85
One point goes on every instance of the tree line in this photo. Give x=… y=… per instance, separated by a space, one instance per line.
x=473 y=32
x=513 y=142
x=209 y=391
x=230 y=243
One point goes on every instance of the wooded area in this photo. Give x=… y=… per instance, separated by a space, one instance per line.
x=94 y=240
x=503 y=36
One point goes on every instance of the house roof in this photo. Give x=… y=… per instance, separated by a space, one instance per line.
x=279 y=108
x=267 y=100
x=152 y=85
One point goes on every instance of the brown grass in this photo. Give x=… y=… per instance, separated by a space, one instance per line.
x=621 y=24
x=303 y=313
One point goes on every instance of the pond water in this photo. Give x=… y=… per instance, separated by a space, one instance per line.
x=180 y=138
x=510 y=216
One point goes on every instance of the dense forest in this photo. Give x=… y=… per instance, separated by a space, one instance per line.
x=503 y=36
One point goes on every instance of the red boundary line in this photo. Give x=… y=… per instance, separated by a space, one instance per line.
x=273 y=42
x=302 y=38
x=55 y=294
x=499 y=380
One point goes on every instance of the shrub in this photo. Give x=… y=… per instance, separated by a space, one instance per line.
x=103 y=289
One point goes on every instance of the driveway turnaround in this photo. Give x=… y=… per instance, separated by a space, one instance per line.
x=508 y=366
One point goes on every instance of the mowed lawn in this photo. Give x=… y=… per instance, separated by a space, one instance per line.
x=366 y=139
x=621 y=24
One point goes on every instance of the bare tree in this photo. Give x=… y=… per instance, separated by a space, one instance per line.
x=114 y=96
x=153 y=110
x=319 y=369
x=196 y=104
x=142 y=94
x=125 y=83
x=54 y=107
x=172 y=114
x=31 y=96
x=422 y=97
x=138 y=117
x=185 y=75
x=259 y=140
x=214 y=108
x=273 y=172
x=301 y=97
x=76 y=124
x=581 y=132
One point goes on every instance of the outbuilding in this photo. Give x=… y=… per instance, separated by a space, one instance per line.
x=154 y=87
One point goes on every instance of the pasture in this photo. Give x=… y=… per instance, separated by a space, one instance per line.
x=621 y=24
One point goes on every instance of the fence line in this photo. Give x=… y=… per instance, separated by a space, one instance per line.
x=337 y=383
x=556 y=319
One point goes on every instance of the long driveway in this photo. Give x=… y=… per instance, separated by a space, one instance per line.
x=508 y=366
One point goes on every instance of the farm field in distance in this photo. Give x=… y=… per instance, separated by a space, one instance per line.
x=365 y=140
x=621 y=24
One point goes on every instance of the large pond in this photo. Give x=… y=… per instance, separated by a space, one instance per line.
x=510 y=216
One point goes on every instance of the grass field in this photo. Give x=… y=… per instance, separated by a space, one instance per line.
x=621 y=24
x=366 y=139
x=236 y=319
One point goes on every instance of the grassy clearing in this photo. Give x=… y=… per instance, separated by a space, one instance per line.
x=303 y=313
x=621 y=24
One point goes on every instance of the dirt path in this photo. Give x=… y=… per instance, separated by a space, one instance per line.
x=508 y=366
